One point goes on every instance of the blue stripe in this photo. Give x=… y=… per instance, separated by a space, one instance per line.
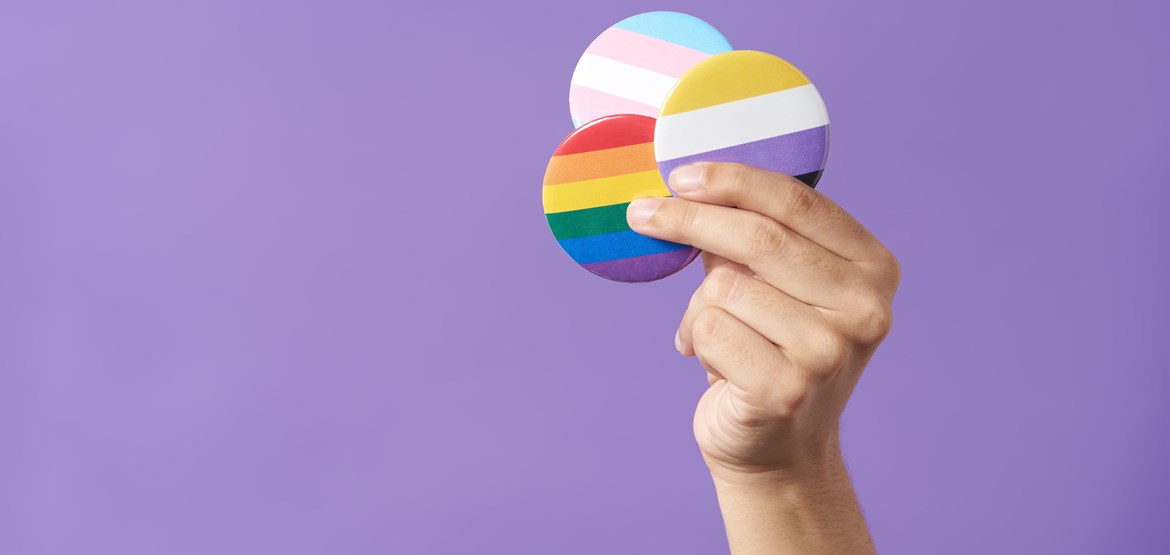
x=612 y=246
x=679 y=28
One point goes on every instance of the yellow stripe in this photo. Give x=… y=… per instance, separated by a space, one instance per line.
x=729 y=77
x=605 y=191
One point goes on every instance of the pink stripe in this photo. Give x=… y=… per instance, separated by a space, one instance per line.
x=588 y=104
x=646 y=52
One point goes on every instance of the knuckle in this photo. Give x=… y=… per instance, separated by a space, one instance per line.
x=721 y=285
x=802 y=199
x=827 y=355
x=814 y=260
x=765 y=237
x=874 y=318
x=707 y=326
x=729 y=175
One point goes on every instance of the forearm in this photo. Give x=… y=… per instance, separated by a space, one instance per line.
x=810 y=510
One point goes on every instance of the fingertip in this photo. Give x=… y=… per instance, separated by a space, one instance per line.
x=640 y=210
x=688 y=178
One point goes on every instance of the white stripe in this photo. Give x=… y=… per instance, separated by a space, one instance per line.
x=742 y=121
x=622 y=79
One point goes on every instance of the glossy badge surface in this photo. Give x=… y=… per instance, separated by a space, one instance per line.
x=748 y=107
x=630 y=68
x=590 y=180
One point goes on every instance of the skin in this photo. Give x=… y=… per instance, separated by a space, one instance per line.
x=796 y=300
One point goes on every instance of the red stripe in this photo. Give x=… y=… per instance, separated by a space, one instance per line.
x=608 y=132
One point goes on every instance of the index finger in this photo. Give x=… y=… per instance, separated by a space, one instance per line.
x=782 y=198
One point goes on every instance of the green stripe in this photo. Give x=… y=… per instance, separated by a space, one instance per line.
x=590 y=221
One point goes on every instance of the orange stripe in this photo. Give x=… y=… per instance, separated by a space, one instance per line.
x=600 y=163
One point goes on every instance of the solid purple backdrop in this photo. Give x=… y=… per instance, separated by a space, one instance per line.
x=275 y=279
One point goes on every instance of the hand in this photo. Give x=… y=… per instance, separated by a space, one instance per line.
x=796 y=300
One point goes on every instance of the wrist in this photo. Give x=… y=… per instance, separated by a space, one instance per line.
x=816 y=462
x=805 y=507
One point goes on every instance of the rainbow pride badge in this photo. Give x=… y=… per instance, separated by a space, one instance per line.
x=748 y=107
x=631 y=67
x=591 y=179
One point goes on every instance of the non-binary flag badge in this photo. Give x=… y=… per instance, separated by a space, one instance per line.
x=747 y=107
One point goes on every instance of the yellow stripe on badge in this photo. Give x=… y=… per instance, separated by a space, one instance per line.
x=604 y=191
x=723 y=81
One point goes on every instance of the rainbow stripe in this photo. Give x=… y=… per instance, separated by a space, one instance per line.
x=590 y=180
x=631 y=67
x=748 y=107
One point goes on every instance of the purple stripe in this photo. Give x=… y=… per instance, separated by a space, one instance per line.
x=643 y=268
x=793 y=154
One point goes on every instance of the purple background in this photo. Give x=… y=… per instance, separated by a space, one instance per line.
x=275 y=279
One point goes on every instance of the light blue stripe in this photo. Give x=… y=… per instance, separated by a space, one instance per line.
x=679 y=28
x=612 y=246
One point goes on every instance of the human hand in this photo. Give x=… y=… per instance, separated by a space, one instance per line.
x=796 y=300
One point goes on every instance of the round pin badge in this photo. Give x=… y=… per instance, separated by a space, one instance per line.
x=748 y=107
x=630 y=68
x=591 y=179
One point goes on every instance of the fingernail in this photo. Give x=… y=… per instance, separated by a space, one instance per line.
x=641 y=209
x=677 y=342
x=688 y=178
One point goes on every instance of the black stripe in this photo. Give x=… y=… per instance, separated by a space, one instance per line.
x=811 y=178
